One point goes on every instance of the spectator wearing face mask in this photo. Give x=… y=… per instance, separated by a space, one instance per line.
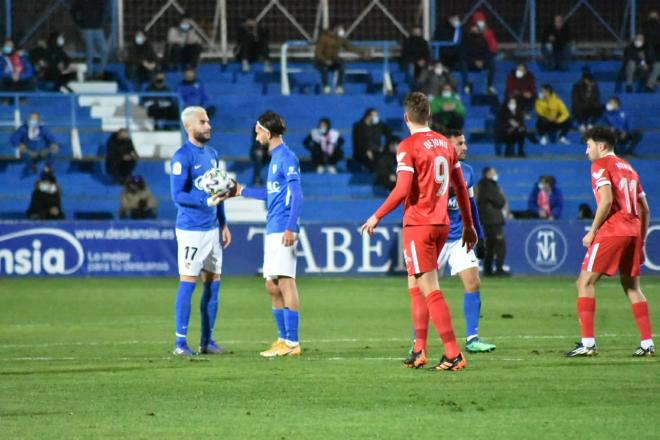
x=252 y=44
x=184 y=46
x=640 y=63
x=385 y=168
x=552 y=116
x=450 y=31
x=16 y=71
x=46 y=200
x=627 y=137
x=163 y=109
x=586 y=105
x=415 y=55
x=90 y=17
x=432 y=79
x=546 y=200
x=651 y=31
x=34 y=142
x=137 y=202
x=327 y=58
x=558 y=43
x=521 y=86
x=52 y=63
x=141 y=62
x=447 y=110
x=325 y=145
x=120 y=156
x=480 y=49
x=370 y=134
x=510 y=128
x=193 y=92
x=491 y=203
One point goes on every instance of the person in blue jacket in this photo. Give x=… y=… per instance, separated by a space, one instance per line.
x=16 y=70
x=627 y=138
x=546 y=200
x=34 y=142
x=193 y=93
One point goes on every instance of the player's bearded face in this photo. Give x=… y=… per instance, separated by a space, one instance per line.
x=202 y=132
x=262 y=136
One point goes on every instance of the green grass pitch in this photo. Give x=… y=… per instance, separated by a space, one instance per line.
x=89 y=358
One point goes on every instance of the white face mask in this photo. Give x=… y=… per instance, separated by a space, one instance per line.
x=540 y=186
x=341 y=32
x=541 y=95
x=185 y=27
x=638 y=43
x=60 y=41
x=47 y=187
x=512 y=107
x=446 y=93
x=375 y=119
x=139 y=39
x=481 y=25
x=456 y=23
x=520 y=73
x=438 y=70
x=610 y=107
x=495 y=178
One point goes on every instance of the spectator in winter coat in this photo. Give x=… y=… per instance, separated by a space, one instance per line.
x=627 y=137
x=451 y=31
x=370 y=134
x=510 y=128
x=16 y=71
x=34 y=142
x=545 y=201
x=490 y=203
x=90 y=17
x=193 y=93
x=386 y=165
x=141 y=63
x=521 y=85
x=479 y=48
x=586 y=105
x=557 y=44
x=326 y=57
x=552 y=116
x=447 y=110
x=252 y=44
x=433 y=78
x=640 y=62
x=120 y=156
x=415 y=54
x=137 y=202
x=325 y=145
x=46 y=200
x=184 y=45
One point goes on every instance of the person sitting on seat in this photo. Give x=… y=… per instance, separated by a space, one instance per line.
x=137 y=202
x=325 y=145
x=46 y=200
x=34 y=142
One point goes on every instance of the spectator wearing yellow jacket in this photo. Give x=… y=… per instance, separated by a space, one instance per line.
x=552 y=116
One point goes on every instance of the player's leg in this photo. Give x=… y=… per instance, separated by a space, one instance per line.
x=472 y=310
x=209 y=303
x=277 y=304
x=586 y=309
x=420 y=317
x=291 y=311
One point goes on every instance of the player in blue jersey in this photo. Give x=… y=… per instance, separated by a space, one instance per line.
x=462 y=262
x=283 y=196
x=200 y=224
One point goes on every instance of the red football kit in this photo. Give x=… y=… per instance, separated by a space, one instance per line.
x=618 y=241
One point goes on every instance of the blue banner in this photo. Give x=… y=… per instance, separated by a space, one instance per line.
x=149 y=249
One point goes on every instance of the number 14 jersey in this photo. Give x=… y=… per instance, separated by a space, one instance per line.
x=623 y=218
x=431 y=158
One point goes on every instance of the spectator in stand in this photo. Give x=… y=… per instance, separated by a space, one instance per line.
x=545 y=201
x=260 y=157
x=521 y=85
x=447 y=110
x=450 y=31
x=386 y=165
x=141 y=62
x=585 y=212
x=369 y=136
x=325 y=145
x=415 y=55
x=639 y=63
x=184 y=46
x=552 y=116
x=38 y=56
x=59 y=70
x=510 y=128
x=16 y=71
x=627 y=137
x=193 y=92
x=432 y=79
x=89 y=16
x=651 y=31
x=480 y=49
x=46 y=200
x=252 y=45
x=586 y=106
x=34 y=142
x=120 y=156
x=558 y=44
x=490 y=204
x=165 y=109
x=326 y=57
x=137 y=202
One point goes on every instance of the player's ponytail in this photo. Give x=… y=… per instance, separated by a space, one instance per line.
x=272 y=122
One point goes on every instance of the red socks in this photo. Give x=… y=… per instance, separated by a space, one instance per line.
x=441 y=317
x=586 y=308
x=641 y=312
x=420 y=317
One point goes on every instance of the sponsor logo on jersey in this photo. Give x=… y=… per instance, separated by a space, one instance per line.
x=598 y=174
x=176 y=168
x=273 y=187
x=546 y=248
x=37 y=251
x=292 y=171
x=198 y=182
x=198 y=166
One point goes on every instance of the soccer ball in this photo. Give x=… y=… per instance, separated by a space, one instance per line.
x=216 y=182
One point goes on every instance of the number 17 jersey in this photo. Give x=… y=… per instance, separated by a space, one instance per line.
x=623 y=218
x=431 y=158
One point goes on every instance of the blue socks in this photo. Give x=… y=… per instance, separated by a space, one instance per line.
x=208 y=307
x=471 y=311
x=182 y=311
x=278 y=315
x=291 y=318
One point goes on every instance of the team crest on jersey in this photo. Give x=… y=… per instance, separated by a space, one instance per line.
x=597 y=175
x=292 y=171
x=176 y=168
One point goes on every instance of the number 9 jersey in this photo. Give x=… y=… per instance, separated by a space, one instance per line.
x=432 y=158
x=623 y=218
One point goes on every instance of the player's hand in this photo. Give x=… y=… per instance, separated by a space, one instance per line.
x=288 y=238
x=215 y=200
x=588 y=239
x=470 y=238
x=226 y=237
x=370 y=225
x=235 y=188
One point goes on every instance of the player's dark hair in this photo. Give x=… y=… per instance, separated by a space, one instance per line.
x=273 y=123
x=485 y=171
x=601 y=133
x=327 y=122
x=451 y=132
x=548 y=87
x=416 y=105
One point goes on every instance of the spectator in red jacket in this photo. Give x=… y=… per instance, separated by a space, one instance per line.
x=521 y=85
x=479 y=49
x=479 y=19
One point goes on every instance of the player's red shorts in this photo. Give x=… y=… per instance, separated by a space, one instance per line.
x=609 y=254
x=422 y=245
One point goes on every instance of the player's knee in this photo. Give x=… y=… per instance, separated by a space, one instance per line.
x=472 y=285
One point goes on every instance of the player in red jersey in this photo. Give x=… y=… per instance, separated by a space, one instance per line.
x=427 y=163
x=615 y=240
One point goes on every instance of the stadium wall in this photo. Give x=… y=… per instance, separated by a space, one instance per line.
x=149 y=249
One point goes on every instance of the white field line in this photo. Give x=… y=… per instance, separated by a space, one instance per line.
x=304 y=358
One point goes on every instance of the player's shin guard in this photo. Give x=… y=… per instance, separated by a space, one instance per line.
x=441 y=317
x=641 y=313
x=291 y=318
x=420 y=317
x=278 y=316
x=208 y=308
x=586 y=308
x=182 y=310
x=471 y=311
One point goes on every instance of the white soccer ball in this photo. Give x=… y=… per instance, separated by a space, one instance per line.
x=216 y=182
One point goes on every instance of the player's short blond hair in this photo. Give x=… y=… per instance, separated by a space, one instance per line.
x=189 y=112
x=416 y=105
